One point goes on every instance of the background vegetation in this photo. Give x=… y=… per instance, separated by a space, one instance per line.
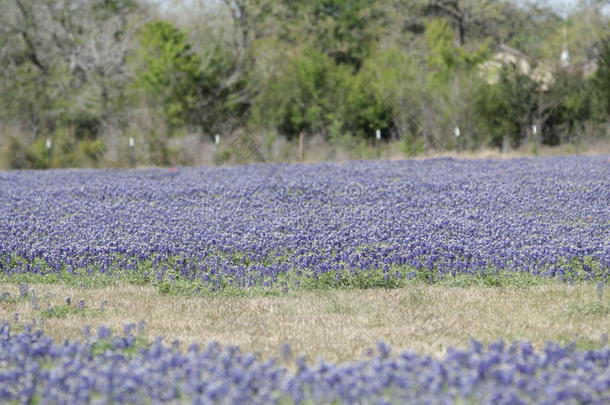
x=78 y=79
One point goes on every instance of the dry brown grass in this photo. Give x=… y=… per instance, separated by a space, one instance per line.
x=601 y=147
x=318 y=150
x=335 y=325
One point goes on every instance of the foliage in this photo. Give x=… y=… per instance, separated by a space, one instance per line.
x=66 y=151
x=102 y=72
x=444 y=57
x=503 y=107
x=306 y=97
x=601 y=81
x=345 y=30
x=349 y=37
x=369 y=105
x=572 y=101
x=170 y=72
x=65 y=311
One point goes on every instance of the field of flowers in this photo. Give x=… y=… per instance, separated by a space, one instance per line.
x=279 y=224
x=360 y=224
x=110 y=368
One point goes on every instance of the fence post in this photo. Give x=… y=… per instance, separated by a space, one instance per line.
x=457 y=132
x=378 y=142
x=302 y=146
x=132 y=152
x=49 y=145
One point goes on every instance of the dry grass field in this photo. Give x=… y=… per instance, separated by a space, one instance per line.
x=337 y=325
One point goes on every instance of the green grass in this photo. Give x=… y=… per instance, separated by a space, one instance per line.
x=7 y=298
x=586 y=343
x=172 y=283
x=503 y=279
x=176 y=285
x=144 y=272
x=100 y=346
x=594 y=308
x=65 y=311
x=81 y=279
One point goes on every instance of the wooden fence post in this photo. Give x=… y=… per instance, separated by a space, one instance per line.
x=302 y=146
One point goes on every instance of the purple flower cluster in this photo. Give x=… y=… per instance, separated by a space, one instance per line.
x=112 y=369
x=250 y=225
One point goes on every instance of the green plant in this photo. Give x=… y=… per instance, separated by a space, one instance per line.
x=445 y=58
x=412 y=145
x=593 y=308
x=7 y=298
x=504 y=108
x=307 y=96
x=15 y=154
x=601 y=80
x=100 y=346
x=170 y=71
x=65 y=311
x=415 y=298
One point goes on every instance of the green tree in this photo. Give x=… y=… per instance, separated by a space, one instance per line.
x=307 y=96
x=601 y=80
x=569 y=104
x=505 y=108
x=345 y=30
x=444 y=57
x=169 y=71
x=383 y=95
x=348 y=29
x=206 y=90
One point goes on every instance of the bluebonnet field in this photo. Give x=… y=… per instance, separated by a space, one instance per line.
x=379 y=223
x=108 y=368
x=269 y=224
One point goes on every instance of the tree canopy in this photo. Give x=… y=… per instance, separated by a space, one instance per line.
x=90 y=74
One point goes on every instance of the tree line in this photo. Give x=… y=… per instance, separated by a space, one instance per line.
x=81 y=80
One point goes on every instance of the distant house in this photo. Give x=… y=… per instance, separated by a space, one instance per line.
x=541 y=72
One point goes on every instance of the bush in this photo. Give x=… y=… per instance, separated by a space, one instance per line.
x=504 y=108
x=307 y=96
x=84 y=124
x=15 y=154
x=601 y=81
x=169 y=71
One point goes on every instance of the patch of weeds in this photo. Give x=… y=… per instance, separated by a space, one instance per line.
x=82 y=279
x=181 y=287
x=177 y=276
x=364 y=279
x=500 y=279
x=7 y=298
x=414 y=298
x=340 y=308
x=64 y=311
x=137 y=278
x=584 y=343
x=25 y=294
x=427 y=276
x=374 y=279
x=590 y=344
x=192 y=288
x=175 y=284
x=130 y=345
x=595 y=308
x=583 y=269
